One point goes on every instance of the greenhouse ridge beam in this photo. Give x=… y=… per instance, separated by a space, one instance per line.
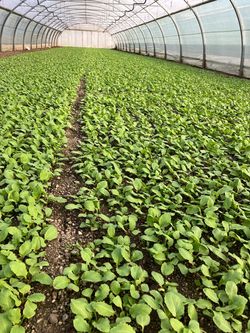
x=115 y=6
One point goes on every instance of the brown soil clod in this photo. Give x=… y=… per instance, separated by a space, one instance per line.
x=53 y=315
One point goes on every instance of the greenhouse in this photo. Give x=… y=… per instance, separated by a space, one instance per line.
x=124 y=166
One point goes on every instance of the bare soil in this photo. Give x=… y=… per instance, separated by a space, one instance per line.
x=53 y=315
x=6 y=54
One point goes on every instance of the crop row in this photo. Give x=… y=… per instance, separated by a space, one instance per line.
x=165 y=162
x=165 y=166
x=36 y=96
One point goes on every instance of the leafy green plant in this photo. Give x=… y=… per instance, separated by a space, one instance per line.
x=164 y=162
x=37 y=92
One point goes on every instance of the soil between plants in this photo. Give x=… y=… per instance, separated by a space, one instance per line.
x=6 y=54
x=53 y=315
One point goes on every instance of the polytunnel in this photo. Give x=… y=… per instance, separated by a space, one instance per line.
x=124 y=166
x=213 y=34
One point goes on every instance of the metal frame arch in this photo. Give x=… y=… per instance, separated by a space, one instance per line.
x=116 y=42
x=125 y=12
x=30 y=21
x=26 y=29
x=159 y=26
x=177 y=30
x=119 y=42
x=131 y=28
x=80 y=9
x=144 y=39
x=32 y=36
x=77 y=4
x=130 y=18
x=36 y=26
x=10 y=12
x=33 y=20
x=57 y=37
x=49 y=37
x=57 y=25
x=204 y=56
x=163 y=37
x=134 y=27
x=45 y=30
x=150 y=33
x=15 y=31
x=135 y=34
x=78 y=13
x=94 y=20
x=123 y=43
x=13 y=11
x=53 y=38
x=38 y=13
x=57 y=32
x=58 y=2
x=38 y=35
x=24 y=33
x=134 y=38
x=242 y=38
x=46 y=37
x=129 y=40
x=155 y=20
x=57 y=17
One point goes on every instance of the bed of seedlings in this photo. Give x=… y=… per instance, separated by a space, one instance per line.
x=36 y=93
x=164 y=168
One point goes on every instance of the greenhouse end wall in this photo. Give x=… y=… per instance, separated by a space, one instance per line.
x=213 y=35
x=84 y=38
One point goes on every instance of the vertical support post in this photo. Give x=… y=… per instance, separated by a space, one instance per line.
x=204 y=57
x=38 y=35
x=242 y=39
x=43 y=36
x=163 y=37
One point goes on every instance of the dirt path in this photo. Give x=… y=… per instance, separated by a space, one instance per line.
x=53 y=316
x=6 y=54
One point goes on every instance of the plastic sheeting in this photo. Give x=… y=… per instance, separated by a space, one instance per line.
x=208 y=33
x=212 y=34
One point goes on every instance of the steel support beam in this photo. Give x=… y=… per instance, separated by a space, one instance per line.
x=242 y=37
x=38 y=35
x=204 y=56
